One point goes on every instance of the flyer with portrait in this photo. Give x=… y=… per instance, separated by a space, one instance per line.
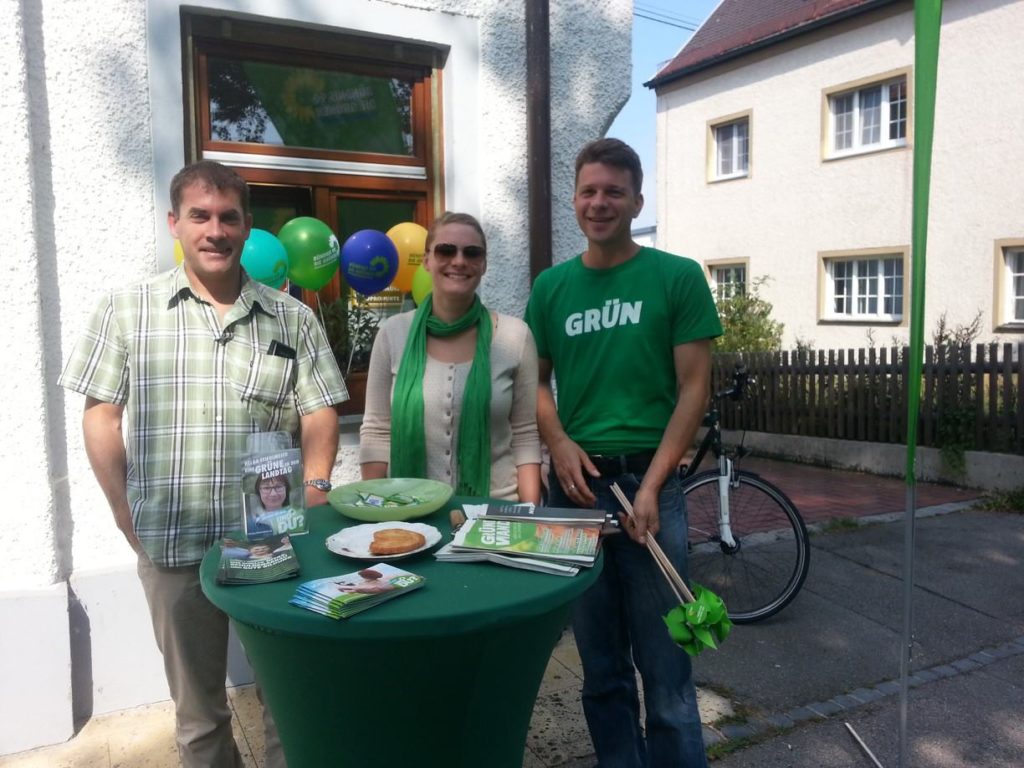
x=273 y=497
x=256 y=561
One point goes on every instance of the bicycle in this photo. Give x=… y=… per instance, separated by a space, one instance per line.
x=747 y=541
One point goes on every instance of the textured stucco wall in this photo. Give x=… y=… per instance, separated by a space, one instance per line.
x=100 y=188
x=590 y=82
x=794 y=205
x=28 y=539
x=76 y=164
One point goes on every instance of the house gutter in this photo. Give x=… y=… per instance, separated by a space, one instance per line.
x=766 y=42
x=538 y=134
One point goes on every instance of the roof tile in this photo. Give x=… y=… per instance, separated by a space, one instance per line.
x=739 y=24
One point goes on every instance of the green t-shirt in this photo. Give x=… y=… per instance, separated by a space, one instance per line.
x=609 y=334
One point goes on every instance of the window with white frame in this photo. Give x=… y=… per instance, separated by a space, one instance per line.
x=868 y=118
x=732 y=149
x=1014 y=258
x=728 y=280
x=865 y=288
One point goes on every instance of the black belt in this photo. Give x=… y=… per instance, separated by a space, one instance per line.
x=629 y=463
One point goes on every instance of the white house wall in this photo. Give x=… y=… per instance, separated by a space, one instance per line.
x=795 y=205
x=91 y=101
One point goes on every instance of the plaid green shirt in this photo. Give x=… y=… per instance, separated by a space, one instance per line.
x=193 y=392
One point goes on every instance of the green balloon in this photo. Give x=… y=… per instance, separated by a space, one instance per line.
x=313 y=252
x=422 y=284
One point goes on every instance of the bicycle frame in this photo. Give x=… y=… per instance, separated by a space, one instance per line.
x=747 y=540
x=726 y=467
x=713 y=442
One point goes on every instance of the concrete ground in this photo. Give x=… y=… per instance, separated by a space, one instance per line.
x=779 y=693
x=832 y=658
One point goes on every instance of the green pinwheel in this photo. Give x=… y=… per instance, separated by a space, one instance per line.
x=697 y=625
x=700 y=618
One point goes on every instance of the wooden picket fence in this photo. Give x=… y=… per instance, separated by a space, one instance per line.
x=970 y=396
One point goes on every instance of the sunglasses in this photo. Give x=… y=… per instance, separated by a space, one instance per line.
x=448 y=251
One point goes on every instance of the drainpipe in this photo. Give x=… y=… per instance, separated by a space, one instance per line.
x=538 y=134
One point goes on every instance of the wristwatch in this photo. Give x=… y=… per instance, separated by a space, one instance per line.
x=320 y=484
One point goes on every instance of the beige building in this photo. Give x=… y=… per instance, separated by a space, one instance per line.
x=785 y=151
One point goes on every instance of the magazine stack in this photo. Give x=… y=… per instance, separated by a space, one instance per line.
x=256 y=561
x=342 y=596
x=545 y=539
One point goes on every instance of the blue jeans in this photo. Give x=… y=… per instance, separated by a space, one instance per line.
x=617 y=623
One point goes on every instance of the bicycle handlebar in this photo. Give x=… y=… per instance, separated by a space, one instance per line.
x=740 y=378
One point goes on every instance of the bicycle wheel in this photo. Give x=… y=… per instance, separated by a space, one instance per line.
x=763 y=572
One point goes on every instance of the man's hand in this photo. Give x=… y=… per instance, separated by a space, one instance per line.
x=568 y=459
x=570 y=463
x=123 y=519
x=104 y=445
x=645 y=517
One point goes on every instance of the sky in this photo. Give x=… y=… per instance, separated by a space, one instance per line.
x=654 y=44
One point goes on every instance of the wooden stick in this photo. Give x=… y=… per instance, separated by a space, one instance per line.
x=671 y=574
x=672 y=585
x=669 y=570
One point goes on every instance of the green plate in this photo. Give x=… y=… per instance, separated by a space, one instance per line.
x=433 y=493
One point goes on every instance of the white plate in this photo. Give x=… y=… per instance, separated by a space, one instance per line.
x=354 y=542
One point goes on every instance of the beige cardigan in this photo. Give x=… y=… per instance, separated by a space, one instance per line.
x=514 y=437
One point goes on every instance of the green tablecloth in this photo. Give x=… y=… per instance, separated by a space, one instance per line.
x=445 y=676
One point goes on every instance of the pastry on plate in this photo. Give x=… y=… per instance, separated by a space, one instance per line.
x=396 y=541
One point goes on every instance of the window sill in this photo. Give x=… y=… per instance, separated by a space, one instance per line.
x=733 y=177
x=872 y=150
x=897 y=321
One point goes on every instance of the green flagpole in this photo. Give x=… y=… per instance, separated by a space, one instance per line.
x=927 y=23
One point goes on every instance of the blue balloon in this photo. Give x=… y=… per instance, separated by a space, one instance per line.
x=369 y=261
x=265 y=259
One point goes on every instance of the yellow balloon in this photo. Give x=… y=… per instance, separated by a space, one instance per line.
x=422 y=284
x=179 y=254
x=411 y=240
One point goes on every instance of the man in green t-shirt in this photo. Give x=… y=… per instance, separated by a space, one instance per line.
x=627 y=332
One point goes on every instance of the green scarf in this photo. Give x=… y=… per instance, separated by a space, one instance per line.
x=408 y=441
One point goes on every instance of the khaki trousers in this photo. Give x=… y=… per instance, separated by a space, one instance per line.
x=192 y=635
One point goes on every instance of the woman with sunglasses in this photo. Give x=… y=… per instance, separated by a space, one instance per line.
x=451 y=393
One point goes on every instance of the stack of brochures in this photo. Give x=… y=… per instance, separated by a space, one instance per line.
x=545 y=539
x=342 y=596
x=256 y=561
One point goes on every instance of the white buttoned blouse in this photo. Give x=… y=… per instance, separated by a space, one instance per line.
x=514 y=437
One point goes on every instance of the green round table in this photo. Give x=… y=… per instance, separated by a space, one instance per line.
x=445 y=676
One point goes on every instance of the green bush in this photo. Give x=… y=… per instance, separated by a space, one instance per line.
x=747 y=322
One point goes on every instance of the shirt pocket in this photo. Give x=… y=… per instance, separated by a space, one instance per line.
x=266 y=385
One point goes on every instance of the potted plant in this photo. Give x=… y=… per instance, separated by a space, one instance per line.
x=351 y=326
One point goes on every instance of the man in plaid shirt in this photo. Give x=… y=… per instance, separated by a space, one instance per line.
x=200 y=358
